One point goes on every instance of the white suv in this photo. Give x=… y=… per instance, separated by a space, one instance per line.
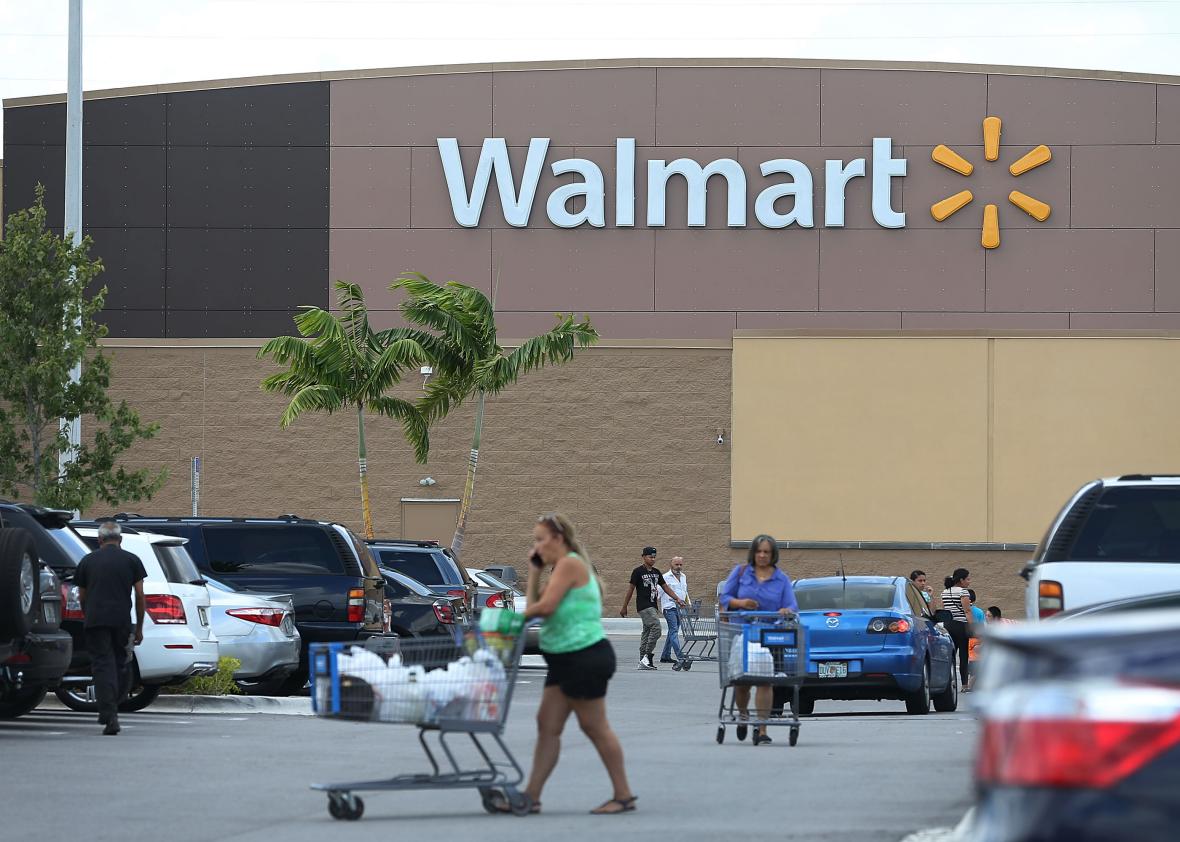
x=1115 y=538
x=178 y=641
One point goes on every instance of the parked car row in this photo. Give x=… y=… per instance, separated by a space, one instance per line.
x=259 y=590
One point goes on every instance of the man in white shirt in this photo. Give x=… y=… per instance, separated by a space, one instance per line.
x=678 y=583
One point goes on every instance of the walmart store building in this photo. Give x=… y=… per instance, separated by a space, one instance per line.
x=890 y=314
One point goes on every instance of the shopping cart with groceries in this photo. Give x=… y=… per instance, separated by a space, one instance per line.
x=452 y=688
x=759 y=649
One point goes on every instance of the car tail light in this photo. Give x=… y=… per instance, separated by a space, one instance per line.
x=386 y=615
x=888 y=625
x=356 y=605
x=1050 y=598
x=165 y=609
x=71 y=603
x=262 y=616
x=20 y=658
x=444 y=611
x=1076 y=736
x=496 y=600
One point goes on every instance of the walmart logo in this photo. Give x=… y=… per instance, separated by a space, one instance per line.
x=952 y=160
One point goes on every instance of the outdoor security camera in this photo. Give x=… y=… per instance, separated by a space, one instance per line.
x=721 y=438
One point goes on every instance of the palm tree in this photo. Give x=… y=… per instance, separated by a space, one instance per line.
x=456 y=327
x=338 y=362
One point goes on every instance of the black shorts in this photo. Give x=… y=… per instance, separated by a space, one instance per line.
x=584 y=673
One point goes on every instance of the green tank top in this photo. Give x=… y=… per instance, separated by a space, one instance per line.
x=577 y=622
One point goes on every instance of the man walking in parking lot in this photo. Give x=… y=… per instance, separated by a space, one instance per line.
x=106 y=579
x=646 y=583
x=678 y=582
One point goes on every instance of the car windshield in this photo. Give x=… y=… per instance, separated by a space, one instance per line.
x=408 y=582
x=420 y=565
x=178 y=566
x=840 y=595
x=1131 y=523
x=71 y=544
x=491 y=581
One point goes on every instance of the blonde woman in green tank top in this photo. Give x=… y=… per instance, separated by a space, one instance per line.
x=580 y=658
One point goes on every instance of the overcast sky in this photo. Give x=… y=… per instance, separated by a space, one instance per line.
x=137 y=42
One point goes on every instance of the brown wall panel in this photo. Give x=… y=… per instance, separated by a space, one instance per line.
x=584 y=107
x=1064 y=112
x=411 y=110
x=1125 y=187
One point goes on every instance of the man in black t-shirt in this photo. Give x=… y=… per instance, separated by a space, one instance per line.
x=105 y=580
x=646 y=583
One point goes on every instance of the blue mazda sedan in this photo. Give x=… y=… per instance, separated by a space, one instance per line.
x=867 y=641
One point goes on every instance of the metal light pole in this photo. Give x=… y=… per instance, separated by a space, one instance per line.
x=73 y=221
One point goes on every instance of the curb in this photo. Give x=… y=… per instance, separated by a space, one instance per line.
x=288 y=706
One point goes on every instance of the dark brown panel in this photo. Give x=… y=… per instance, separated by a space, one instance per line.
x=133 y=324
x=133 y=266
x=229 y=324
x=262 y=115
x=127 y=120
x=260 y=187
x=235 y=269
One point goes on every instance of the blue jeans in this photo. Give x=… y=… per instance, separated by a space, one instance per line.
x=672 y=615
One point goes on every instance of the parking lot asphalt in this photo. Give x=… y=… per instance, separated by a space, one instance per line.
x=861 y=771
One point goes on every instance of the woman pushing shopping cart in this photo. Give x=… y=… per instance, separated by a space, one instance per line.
x=761 y=644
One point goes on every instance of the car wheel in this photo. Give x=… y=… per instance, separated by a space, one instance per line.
x=918 y=702
x=20 y=702
x=140 y=698
x=20 y=597
x=948 y=700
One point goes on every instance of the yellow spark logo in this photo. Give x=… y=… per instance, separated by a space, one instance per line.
x=955 y=162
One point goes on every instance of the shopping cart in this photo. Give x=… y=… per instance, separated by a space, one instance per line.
x=698 y=635
x=759 y=649
x=443 y=686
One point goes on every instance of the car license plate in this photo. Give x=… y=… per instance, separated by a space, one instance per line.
x=833 y=669
x=203 y=614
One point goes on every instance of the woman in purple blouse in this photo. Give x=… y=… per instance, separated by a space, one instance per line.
x=758 y=585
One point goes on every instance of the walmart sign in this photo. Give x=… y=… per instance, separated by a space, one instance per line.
x=517 y=196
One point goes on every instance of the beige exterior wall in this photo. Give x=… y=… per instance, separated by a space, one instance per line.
x=940 y=439
x=623 y=440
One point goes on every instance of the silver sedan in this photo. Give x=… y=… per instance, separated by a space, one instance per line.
x=258 y=630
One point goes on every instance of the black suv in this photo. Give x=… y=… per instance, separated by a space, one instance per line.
x=333 y=579
x=430 y=564
x=34 y=650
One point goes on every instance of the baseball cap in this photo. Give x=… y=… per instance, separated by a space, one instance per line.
x=649 y=551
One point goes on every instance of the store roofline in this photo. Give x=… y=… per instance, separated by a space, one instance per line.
x=590 y=64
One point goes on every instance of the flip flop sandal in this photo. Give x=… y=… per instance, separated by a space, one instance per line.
x=626 y=805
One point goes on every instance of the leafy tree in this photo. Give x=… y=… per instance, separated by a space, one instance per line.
x=47 y=326
x=339 y=362
x=456 y=326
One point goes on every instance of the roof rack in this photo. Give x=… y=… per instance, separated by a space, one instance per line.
x=123 y=517
x=1146 y=477
x=401 y=542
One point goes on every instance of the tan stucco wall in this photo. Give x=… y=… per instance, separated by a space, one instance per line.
x=919 y=438
x=623 y=440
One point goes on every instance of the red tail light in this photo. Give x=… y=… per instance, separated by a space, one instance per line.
x=1076 y=737
x=888 y=625
x=444 y=611
x=71 y=603
x=496 y=600
x=21 y=658
x=1050 y=598
x=165 y=609
x=262 y=616
x=356 y=605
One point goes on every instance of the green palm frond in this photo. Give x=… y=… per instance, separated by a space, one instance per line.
x=552 y=348
x=391 y=362
x=416 y=428
x=447 y=392
x=315 y=398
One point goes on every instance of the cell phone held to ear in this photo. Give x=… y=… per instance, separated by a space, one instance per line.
x=536 y=561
